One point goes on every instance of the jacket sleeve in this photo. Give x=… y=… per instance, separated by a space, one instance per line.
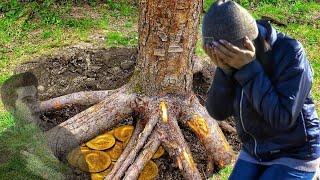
x=220 y=96
x=279 y=102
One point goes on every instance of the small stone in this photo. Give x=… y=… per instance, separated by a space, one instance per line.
x=90 y=79
x=40 y=88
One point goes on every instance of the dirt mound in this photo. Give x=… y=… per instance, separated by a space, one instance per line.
x=77 y=69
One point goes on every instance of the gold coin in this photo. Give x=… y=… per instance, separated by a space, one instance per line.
x=94 y=161
x=150 y=171
x=116 y=151
x=101 y=175
x=158 y=153
x=124 y=132
x=101 y=142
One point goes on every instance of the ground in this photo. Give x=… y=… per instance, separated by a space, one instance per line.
x=32 y=30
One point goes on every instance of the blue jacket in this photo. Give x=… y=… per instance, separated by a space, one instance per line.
x=271 y=102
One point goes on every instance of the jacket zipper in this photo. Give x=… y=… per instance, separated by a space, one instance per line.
x=255 y=141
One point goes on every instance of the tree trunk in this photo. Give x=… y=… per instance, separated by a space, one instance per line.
x=160 y=90
x=167 y=37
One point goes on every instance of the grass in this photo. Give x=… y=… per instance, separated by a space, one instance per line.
x=117 y=39
x=31 y=29
x=29 y=158
x=223 y=174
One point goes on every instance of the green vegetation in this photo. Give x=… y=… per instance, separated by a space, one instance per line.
x=223 y=174
x=30 y=29
x=23 y=145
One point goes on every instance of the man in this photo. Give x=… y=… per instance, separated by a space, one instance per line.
x=20 y=97
x=263 y=79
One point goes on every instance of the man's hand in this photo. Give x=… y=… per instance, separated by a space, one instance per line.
x=217 y=61
x=233 y=55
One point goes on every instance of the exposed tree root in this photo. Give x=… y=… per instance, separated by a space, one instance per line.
x=175 y=144
x=226 y=127
x=138 y=129
x=148 y=151
x=78 y=98
x=157 y=124
x=208 y=131
x=89 y=123
x=153 y=118
x=163 y=76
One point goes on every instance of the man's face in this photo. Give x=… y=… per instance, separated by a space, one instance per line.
x=26 y=105
x=26 y=91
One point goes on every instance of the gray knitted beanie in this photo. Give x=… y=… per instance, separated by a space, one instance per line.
x=229 y=21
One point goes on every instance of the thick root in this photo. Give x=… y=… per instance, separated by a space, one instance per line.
x=207 y=130
x=90 y=123
x=152 y=121
x=148 y=151
x=175 y=144
x=78 y=98
x=127 y=150
x=157 y=121
x=227 y=128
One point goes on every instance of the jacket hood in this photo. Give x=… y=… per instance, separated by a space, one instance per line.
x=267 y=31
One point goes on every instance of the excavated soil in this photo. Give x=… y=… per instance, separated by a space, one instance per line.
x=81 y=68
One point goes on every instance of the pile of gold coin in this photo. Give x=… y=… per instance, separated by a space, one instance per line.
x=98 y=155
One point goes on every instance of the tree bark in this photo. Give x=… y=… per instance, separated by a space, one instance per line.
x=167 y=37
x=148 y=151
x=208 y=131
x=153 y=119
x=78 y=98
x=89 y=123
x=138 y=129
x=175 y=144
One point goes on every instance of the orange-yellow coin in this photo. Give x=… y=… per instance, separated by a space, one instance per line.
x=84 y=149
x=150 y=171
x=115 y=151
x=124 y=132
x=94 y=161
x=110 y=132
x=101 y=142
x=158 y=153
x=101 y=175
